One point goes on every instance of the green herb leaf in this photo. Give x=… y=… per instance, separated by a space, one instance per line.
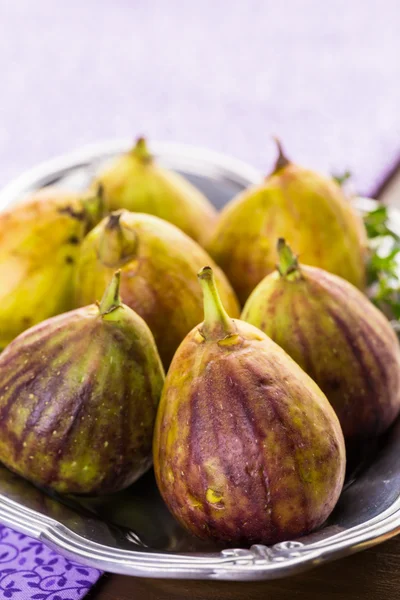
x=383 y=270
x=376 y=223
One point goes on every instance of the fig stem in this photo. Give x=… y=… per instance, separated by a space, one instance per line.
x=94 y=207
x=287 y=263
x=117 y=243
x=141 y=151
x=282 y=161
x=111 y=298
x=217 y=324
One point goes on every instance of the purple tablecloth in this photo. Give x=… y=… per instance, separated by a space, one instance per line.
x=324 y=76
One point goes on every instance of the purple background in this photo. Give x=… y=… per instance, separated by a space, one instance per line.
x=324 y=76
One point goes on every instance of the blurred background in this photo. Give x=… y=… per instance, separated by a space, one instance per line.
x=324 y=76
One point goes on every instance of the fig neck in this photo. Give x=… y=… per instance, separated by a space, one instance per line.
x=282 y=161
x=111 y=299
x=94 y=207
x=118 y=243
x=288 y=265
x=217 y=324
x=141 y=151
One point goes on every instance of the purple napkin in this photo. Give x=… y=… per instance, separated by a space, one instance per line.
x=30 y=571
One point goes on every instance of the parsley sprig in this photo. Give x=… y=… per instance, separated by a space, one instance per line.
x=383 y=270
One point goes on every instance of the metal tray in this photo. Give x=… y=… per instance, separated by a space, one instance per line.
x=132 y=532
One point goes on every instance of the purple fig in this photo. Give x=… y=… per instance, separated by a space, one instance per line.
x=39 y=244
x=159 y=266
x=135 y=182
x=337 y=336
x=308 y=209
x=78 y=399
x=247 y=449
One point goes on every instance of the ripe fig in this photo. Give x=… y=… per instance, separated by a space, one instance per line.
x=158 y=265
x=337 y=336
x=135 y=182
x=247 y=449
x=78 y=399
x=304 y=207
x=39 y=243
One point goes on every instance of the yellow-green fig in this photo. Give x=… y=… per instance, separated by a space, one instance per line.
x=39 y=243
x=337 y=336
x=247 y=449
x=137 y=183
x=78 y=399
x=159 y=265
x=300 y=205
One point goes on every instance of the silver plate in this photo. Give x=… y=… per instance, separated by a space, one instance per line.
x=132 y=532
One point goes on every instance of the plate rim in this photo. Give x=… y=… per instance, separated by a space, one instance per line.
x=173 y=153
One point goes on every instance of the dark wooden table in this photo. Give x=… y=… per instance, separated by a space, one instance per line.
x=370 y=575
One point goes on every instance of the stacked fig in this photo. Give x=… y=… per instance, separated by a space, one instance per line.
x=103 y=292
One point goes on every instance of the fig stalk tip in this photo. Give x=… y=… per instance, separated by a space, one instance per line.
x=217 y=324
x=118 y=243
x=111 y=298
x=141 y=151
x=282 y=160
x=94 y=207
x=113 y=220
x=288 y=263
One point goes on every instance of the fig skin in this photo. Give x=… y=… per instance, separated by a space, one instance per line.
x=247 y=449
x=338 y=337
x=137 y=183
x=307 y=209
x=159 y=266
x=39 y=244
x=78 y=399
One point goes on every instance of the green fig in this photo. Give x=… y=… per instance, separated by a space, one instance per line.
x=78 y=399
x=135 y=182
x=304 y=207
x=39 y=243
x=337 y=336
x=247 y=449
x=159 y=265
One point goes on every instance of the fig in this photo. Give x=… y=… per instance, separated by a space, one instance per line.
x=39 y=243
x=135 y=182
x=337 y=336
x=159 y=265
x=302 y=206
x=247 y=448
x=78 y=399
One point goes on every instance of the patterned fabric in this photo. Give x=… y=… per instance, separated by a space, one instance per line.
x=30 y=571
